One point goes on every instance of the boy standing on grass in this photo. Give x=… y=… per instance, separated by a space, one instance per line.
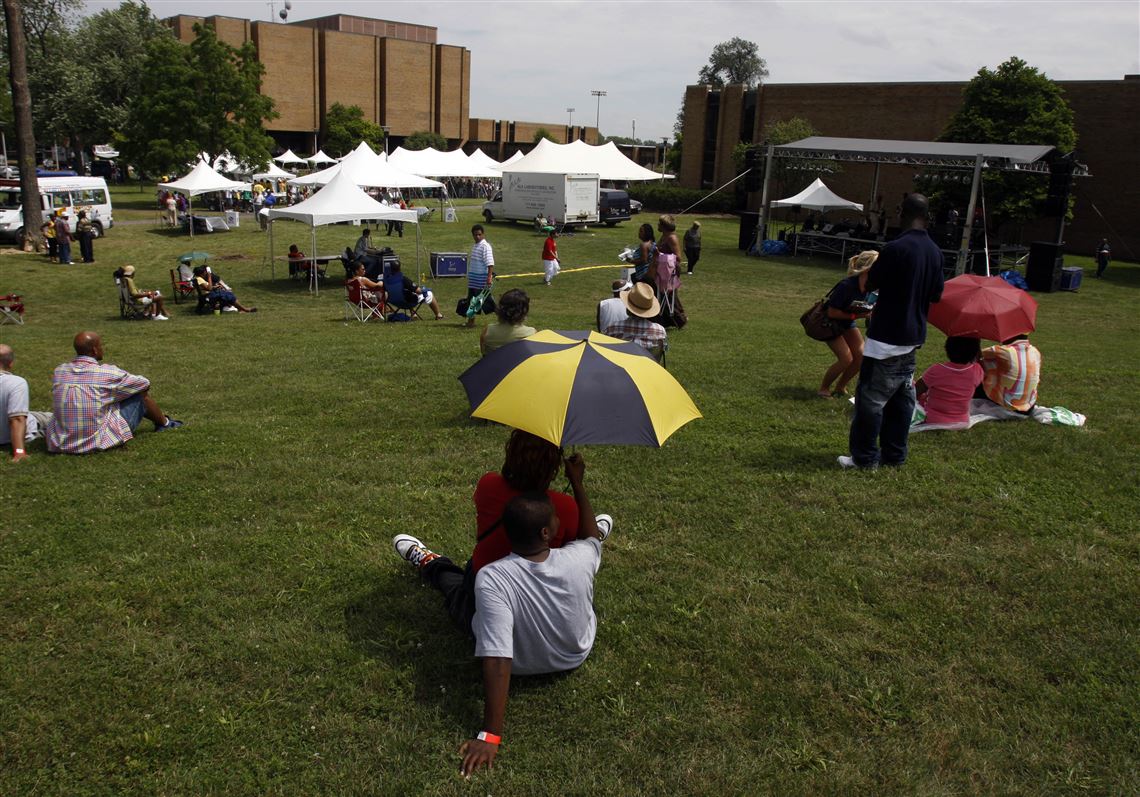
x=480 y=266
x=534 y=609
x=550 y=256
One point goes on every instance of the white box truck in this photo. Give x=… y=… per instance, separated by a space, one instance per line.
x=70 y=194
x=569 y=198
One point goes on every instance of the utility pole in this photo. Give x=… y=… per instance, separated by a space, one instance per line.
x=570 y=126
x=633 y=135
x=598 y=118
x=22 y=110
x=664 y=150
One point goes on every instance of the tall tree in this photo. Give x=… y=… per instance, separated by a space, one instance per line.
x=1014 y=104
x=734 y=61
x=201 y=98
x=22 y=104
x=346 y=127
x=422 y=139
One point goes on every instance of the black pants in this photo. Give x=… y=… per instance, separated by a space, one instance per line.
x=692 y=255
x=86 y=248
x=458 y=588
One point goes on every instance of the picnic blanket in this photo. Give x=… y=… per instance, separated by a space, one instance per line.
x=984 y=410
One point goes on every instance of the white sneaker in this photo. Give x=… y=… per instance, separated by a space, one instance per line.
x=412 y=550
x=847 y=462
x=229 y=308
x=605 y=526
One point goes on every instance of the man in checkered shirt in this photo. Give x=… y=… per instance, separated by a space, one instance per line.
x=98 y=406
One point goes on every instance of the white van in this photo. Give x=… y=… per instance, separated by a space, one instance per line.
x=70 y=194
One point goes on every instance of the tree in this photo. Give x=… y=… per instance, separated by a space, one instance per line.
x=346 y=127
x=1015 y=104
x=422 y=139
x=542 y=133
x=86 y=88
x=734 y=61
x=204 y=97
x=22 y=103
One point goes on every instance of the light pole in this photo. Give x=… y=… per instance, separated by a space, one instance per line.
x=633 y=135
x=385 y=128
x=664 y=149
x=570 y=125
x=571 y=112
x=598 y=118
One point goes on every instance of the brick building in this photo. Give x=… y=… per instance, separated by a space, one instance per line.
x=1107 y=119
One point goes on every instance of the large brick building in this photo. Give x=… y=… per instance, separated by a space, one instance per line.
x=1107 y=118
x=396 y=72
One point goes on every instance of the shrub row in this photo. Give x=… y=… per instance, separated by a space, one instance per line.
x=673 y=199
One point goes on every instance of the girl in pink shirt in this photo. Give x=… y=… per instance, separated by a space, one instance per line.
x=945 y=389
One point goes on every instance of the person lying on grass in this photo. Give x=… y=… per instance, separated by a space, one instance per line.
x=534 y=609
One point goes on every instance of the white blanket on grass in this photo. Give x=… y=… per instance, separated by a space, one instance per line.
x=985 y=410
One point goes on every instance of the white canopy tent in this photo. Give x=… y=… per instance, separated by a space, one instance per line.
x=274 y=172
x=817 y=196
x=481 y=158
x=202 y=180
x=518 y=156
x=340 y=200
x=365 y=168
x=320 y=157
x=606 y=161
x=289 y=156
x=433 y=163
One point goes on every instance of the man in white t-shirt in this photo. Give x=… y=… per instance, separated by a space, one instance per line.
x=534 y=609
x=17 y=423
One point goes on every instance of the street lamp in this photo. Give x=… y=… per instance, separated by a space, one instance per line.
x=664 y=149
x=385 y=128
x=598 y=119
x=571 y=112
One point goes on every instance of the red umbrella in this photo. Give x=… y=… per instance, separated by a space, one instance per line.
x=983 y=307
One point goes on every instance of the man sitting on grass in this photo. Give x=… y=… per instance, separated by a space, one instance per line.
x=98 y=406
x=534 y=609
x=17 y=423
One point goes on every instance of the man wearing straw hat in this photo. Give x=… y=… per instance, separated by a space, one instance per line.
x=641 y=306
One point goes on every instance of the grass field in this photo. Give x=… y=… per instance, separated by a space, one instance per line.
x=218 y=611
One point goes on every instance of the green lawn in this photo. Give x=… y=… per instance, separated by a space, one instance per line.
x=218 y=611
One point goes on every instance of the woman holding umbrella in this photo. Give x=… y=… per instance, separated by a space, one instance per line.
x=846 y=304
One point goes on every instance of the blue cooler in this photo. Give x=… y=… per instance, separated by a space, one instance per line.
x=448 y=264
x=1071 y=278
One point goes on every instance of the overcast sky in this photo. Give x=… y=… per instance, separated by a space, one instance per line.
x=533 y=59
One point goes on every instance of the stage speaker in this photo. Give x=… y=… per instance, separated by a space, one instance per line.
x=748 y=221
x=754 y=163
x=1060 y=184
x=1043 y=273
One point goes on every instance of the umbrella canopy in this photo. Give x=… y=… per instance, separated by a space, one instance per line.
x=817 y=196
x=983 y=307
x=190 y=257
x=575 y=388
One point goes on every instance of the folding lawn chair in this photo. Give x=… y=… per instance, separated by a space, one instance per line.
x=129 y=307
x=396 y=299
x=11 y=309
x=362 y=305
x=181 y=282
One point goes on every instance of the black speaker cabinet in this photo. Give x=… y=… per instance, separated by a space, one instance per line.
x=1043 y=273
x=748 y=221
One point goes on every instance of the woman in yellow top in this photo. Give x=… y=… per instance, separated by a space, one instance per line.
x=151 y=301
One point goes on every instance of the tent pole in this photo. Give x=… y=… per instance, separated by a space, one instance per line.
x=874 y=189
x=272 y=270
x=758 y=244
x=967 y=228
x=314 y=282
x=190 y=209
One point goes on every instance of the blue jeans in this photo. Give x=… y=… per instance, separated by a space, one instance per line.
x=65 y=252
x=884 y=405
x=133 y=409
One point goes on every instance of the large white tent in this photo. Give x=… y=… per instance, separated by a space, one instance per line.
x=606 y=161
x=366 y=168
x=431 y=162
x=202 y=180
x=340 y=200
x=518 y=156
x=481 y=158
x=321 y=157
x=817 y=196
x=274 y=172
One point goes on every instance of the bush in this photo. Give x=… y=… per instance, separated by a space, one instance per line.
x=673 y=199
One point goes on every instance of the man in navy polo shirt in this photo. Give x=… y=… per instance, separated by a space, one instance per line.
x=908 y=276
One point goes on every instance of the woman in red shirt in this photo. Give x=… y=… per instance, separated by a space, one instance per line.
x=945 y=389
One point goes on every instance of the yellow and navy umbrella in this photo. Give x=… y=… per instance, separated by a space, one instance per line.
x=576 y=388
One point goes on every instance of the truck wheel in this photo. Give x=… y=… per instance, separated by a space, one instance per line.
x=611 y=223
x=97 y=229
x=487 y=217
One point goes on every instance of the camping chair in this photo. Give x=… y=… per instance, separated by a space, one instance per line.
x=363 y=305
x=206 y=304
x=181 y=283
x=129 y=307
x=397 y=299
x=12 y=309
x=668 y=281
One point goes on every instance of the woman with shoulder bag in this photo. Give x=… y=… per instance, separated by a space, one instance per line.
x=846 y=304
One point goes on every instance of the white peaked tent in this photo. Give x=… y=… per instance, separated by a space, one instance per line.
x=817 y=196
x=274 y=172
x=433 y=163
x=202 y=180
x=481 y=158
x=368 y=169
x=606 y=161
x=289 y=156
x=321 y=157
x=518 y=156
x=340 y=200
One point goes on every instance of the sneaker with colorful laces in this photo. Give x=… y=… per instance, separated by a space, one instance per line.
x=412 y=550
x=605 y=526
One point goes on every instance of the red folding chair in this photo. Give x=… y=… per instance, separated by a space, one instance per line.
x=11 y=309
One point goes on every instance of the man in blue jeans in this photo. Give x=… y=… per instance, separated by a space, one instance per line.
x=908 y=276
